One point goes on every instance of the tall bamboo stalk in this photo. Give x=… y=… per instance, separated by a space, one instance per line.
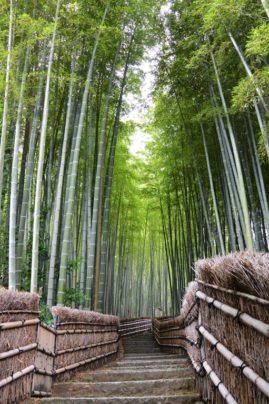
x=242 y=191
x=14 y=181
x=58 y=197
x=73 y=174
x=266 y=6
x=5 y=109
x=96 y=199
x=36 y=225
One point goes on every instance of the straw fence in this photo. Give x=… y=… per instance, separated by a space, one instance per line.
x=18 y=342
x=224 y=327
x=79 y=338
x=33 y=355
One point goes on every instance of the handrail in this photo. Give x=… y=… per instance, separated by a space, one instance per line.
x=134 y=327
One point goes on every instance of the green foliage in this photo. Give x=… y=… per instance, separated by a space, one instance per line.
x=245 y=93
x=73 y=296
x=258 y=42
x=45 y=314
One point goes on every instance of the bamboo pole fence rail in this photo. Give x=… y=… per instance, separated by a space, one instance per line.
x=134 y=326
x=224 y=327
x=19 y=324
x=79 y=338
x=33 y=355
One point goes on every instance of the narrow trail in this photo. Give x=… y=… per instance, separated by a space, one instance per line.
x=145 y=374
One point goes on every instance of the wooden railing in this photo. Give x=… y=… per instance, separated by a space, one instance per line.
x=33 y=355
x=18 y=344
x=226 y=335
x=79 y=338
x=134 y=326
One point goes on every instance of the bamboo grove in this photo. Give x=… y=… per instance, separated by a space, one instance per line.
x=81 y=219
x=210 y=130
x=64 y=71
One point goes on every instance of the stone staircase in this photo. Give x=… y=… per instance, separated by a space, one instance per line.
x=144 y=375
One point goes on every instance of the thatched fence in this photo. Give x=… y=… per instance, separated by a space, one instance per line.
x=33 y=355
x=224 y=327
x=79 y=338
x=18 y=343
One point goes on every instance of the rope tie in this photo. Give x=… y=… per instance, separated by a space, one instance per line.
x=199 y=342
x=237 y=317
x=242 y=367
x=210 y=304
x=214 y=345
x=220 y=382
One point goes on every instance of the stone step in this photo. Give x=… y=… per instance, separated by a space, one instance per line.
x=152 y=362
x=140 y=349
x=108 y=375
x=135 y=349
x=137 y=343
x=187 y=398
x=130 y=368
x=133 y=343
x=153 y=356
x=124 y=389
x=142 y=352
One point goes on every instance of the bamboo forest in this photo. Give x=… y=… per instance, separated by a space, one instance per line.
x=134 y=141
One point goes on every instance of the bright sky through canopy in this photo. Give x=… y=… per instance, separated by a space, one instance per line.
x=139 y=105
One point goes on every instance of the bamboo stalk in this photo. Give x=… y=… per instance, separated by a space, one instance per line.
x=235 y=293
x=133 y=332
x=76 y=365
x=43 y=372
x=196 y=365
x=134 y=322
x=18 y=324
x=262 y=384
x=83 y=347
x=172 y=329
x=84 y=323
x=45 y=351
x=19 y=312
x=61 y=332
x=248 y=320
x=16 y=376
x=38 y=393
x=219 y=384
x=130 y=326
x=183 y=337
x=17 y=351
x=135 y=326
x=52 y=330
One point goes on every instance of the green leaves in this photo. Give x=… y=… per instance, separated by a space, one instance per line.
x=245 y=94
x=258 y=42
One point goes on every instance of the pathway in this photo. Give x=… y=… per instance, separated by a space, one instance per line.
x=144 y=375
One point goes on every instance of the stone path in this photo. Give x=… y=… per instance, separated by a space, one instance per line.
x=144 y=375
